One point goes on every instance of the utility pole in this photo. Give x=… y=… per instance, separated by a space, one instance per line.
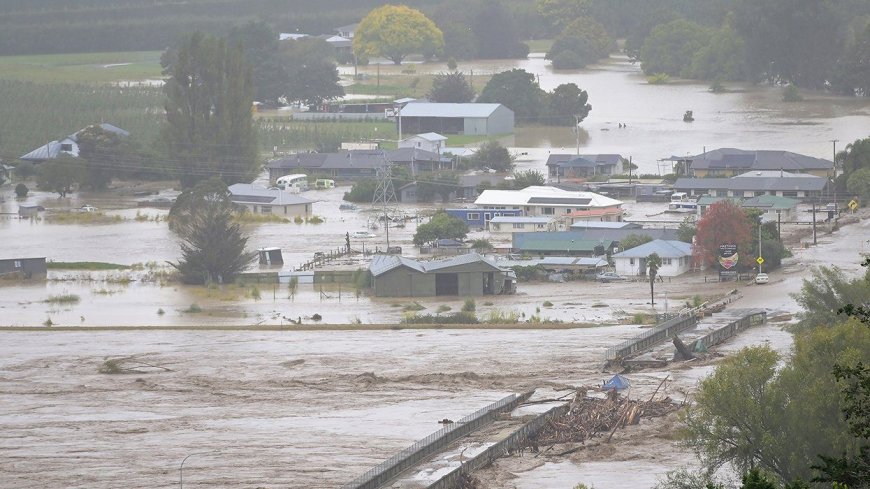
x=760 y=258
x=385 y=195
x=629 y=171
x=815 y=241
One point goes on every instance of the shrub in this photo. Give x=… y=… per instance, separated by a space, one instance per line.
x=21 y=190
x=548 y=304
x=470 y=305
x=658 y=79
x=315 y=220
x=193 y=308
x=63 y=299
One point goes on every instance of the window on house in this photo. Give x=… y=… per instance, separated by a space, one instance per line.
x=666 y=261
x=266 y=209
x=549 y=211
x=473 y=216
x=789 y=193
x=540 y=226
x=519 y=225
x=66 y=147
x=631 y=261
x=17 y=264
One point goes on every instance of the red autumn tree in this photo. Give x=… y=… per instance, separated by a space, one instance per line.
x=723 y=223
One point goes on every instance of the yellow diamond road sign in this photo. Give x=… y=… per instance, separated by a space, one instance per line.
x=760 y=260
x=853 y=205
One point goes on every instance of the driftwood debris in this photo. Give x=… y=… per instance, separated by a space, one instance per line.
x=589 y=417
x=684 y=352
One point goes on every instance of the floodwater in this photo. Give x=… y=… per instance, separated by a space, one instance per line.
x=315 y=409
x=748 y=117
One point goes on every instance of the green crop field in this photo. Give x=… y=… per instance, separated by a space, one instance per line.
x=82 y=67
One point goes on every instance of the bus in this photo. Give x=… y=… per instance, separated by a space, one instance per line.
x=295 y=183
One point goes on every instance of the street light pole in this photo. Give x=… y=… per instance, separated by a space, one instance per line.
x=834 y=180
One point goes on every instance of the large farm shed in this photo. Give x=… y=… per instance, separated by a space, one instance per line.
x=468 y=119
x=466 y=275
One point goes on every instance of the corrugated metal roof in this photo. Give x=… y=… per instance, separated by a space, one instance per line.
x=665 y=249
x=733 y=158
x=601 y=159
x=456 y=261
x=566 y=241
x=382 y=264
x=432 y=109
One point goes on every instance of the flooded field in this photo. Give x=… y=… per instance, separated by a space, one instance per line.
x=747 y=117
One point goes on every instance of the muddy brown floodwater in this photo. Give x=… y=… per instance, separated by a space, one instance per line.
x=312 y=409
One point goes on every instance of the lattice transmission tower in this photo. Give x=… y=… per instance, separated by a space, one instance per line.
x=385 y=196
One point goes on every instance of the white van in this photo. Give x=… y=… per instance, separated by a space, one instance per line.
x=295 y=183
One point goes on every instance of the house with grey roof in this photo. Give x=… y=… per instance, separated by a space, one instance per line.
x=66 y=146
x=445 y=118
x=355 y=164
x=754 y=184
x=729 y=162
x=567 y=167
x=465 y=275
x=260 y=200
x=428 y=141
x=676 y=258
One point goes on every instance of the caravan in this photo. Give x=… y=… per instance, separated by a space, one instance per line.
x=295 y=183
x=324 y=183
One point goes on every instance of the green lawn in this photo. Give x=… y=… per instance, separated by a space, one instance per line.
x=82 y=67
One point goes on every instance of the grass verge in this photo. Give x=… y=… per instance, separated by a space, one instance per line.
x=84 y=265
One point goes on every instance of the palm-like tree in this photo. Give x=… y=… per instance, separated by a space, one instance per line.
x=653 y=263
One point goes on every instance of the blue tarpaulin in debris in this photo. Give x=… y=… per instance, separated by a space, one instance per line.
x=618 y=382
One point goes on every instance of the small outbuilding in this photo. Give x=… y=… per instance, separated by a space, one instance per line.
x=23 y=268
x=466 y=275
x=261 y=200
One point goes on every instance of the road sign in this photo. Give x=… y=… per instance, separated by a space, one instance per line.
x=853 y=204
x=759 y=260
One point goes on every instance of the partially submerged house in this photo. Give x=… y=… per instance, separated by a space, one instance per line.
x=480 y=218
x=729 y=162
x=445 y=118
x=66 y=146
x=465 y=275
x=261 y=200
x=755 y=184
x=356 y=164
x=566 y=166
x=676 y=258
x=23 y=268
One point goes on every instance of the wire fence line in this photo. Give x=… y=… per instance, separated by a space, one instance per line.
x=393 y=466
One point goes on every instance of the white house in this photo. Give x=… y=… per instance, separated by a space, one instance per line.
x=430 y=141
x=553 y=202
x=261 y=200
x=518 y=224
x=67 y=146
x=676 y=258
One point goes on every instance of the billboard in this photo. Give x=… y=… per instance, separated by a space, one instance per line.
x=728 y=256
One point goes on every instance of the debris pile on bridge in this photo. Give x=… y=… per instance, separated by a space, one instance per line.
x=589 y=417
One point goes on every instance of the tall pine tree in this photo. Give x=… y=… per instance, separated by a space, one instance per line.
x=209 y=96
